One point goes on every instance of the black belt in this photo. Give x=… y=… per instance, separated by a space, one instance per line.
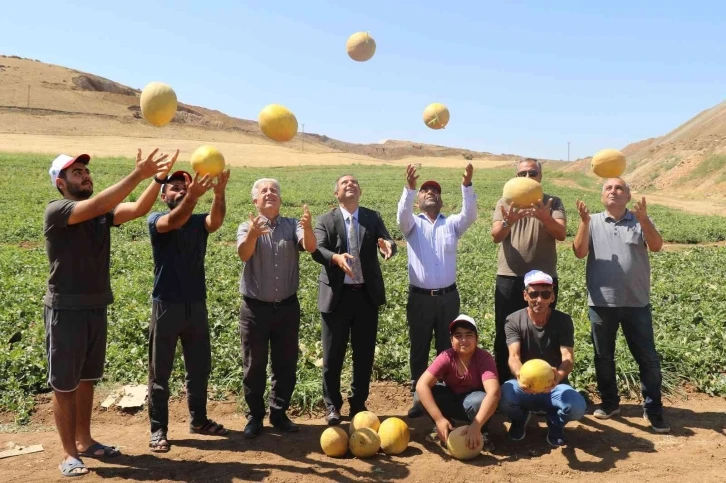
x=278 y=303
x=433 y=291
x=354 y=286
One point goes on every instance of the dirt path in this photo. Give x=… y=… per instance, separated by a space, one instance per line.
x=617 y=450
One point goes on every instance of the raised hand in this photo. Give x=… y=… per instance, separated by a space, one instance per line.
x=341 y=261
x=168 y=166
x=385 y=248
x=258 y=226
x=199 y=186
x=306 y=219
x=640 y=210
x=468 y=174
x=540 y=211
x=151 y=167
x=221 y=183
x=582 y=210
x=411 y=176
x=513 y=214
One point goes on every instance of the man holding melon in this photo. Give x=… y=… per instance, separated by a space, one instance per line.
x=541 y=355
x=616 y=243
x=269 y=245
x=179 y=308
x=433 y=298
x=527 y=236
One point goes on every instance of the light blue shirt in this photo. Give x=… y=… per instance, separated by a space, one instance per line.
x=431 y=246
x=346 y=219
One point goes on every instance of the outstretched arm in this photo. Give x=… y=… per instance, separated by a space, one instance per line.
x=404 y=215
x=215 y=218
x=179 y=215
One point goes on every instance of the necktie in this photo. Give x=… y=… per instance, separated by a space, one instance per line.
x=353 y=250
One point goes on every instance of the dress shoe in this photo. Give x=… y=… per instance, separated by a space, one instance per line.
x=333 y=417
x=283 y=423
x=253 y=428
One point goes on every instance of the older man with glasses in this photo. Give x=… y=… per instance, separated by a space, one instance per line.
x=527 y=239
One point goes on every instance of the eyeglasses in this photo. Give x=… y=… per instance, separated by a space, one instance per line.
x=545 y=294
x=533 y=173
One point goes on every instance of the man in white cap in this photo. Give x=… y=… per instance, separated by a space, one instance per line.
x=77 y=239
x=471 y=386
x=432 y=240
x=540 y=332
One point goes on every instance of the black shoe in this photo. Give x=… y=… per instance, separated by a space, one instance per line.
x=355 y=409
x=416 y=411
x=283 y=423
x=333 y=417
x=606 y=412
x=656 y=423
x=253 y=428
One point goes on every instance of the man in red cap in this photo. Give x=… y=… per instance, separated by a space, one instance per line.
x=432 y=239
x=179 y=309
x=77 y=231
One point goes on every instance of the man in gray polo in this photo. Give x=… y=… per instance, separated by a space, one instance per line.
x=269 y=246
x=616 y=243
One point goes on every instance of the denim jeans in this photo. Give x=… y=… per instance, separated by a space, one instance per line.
x=637 y=326
x=462 y=407
x=562 y=405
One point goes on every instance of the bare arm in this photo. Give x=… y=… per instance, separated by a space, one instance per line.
x=492 y=394
x=653 y=238
x=423 y=389
x=568 y=363
x=556 y=227
x=308 y=241
x=404 y=215
x=511 y=215
x=515 y=361
x=109 y=198
x=215 y=218
x=581 y=244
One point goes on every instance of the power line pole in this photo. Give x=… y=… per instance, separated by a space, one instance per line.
x=302 y=139
x=568 y=150
x=28 y=96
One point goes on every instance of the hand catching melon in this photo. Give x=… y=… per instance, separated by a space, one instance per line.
x=158 y=103
x=522 y=192
x=207 y=160
x=608 y=163
x=536 y=376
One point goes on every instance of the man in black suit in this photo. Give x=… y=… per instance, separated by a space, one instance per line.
x=350 y=291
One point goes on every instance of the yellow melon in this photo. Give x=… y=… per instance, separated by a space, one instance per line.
x=364 y=419
x=207 y=160
x=436 y=116
x=456 y=444
x=360 y=46
x=523 y=192
x=278 y=123
x=536 y=375
x=608 y=163
x=364 y=443
x=158 y=103
x=334 y=442
x=395 y=435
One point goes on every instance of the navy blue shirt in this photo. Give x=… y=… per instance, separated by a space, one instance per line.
x=179 y=260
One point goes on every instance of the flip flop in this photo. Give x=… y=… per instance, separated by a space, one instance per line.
x=155 y=443
x=70 y=464
x=108 y=451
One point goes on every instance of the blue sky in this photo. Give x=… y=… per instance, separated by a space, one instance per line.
x=520 y=77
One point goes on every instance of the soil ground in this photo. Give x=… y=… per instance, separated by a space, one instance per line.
x=621 y=449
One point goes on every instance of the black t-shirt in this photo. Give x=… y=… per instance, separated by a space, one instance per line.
x=540 y=343
x=179 y=260
x=79 y=257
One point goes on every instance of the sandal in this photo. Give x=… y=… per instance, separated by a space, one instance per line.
x=69 y=466
x=210 y=428
x=92 y=451
x=158 y=442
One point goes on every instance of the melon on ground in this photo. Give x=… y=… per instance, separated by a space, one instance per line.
x=334 y=442
x=608 y=163
x=364 y=419
x=360 y=46
x=523 y=192
x=456 y=444
x=278 y=123
x=158 y=103
x=364 y=443
x=207 y=160
x=436 y=116
x=395 y=435
x=536 y=375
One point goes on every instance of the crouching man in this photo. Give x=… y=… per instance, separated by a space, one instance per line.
x=471 y=391
x=539 y=332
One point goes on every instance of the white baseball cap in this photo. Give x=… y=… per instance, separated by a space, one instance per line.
x=62 y=162
x=537 y=277
x=464 y=320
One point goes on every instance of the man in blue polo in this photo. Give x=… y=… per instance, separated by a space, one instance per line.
x=616 y=243
x=179 y=309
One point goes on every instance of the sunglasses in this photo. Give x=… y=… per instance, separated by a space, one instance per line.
x=545 y=294
x=533 y=173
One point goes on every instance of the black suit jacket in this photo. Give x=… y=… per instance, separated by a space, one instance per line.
x=332 y=239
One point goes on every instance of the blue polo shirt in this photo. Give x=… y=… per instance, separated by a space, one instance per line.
x=179 y=260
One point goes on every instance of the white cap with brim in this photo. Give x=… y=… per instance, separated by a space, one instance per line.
x=537 y=277
x=62 y=162
x=463 y=320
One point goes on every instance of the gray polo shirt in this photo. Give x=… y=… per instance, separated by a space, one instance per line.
x=272 y=273
x=618 y=267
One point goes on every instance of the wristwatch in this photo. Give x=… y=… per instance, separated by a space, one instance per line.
x=504 y=223
x=160 y=181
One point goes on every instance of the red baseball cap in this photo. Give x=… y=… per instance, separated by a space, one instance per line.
x=431 y=183
x=179 y=174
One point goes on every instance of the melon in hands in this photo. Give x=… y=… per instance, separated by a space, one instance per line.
x=523 y=192
x=456 y=444
x=536 y=375
x=207 y=160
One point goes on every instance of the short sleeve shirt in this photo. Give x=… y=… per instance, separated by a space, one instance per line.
x=79 y=257
x=481 y=368
x=528 y=246
x=179 y=254
x=618 y=266
x=272 y=273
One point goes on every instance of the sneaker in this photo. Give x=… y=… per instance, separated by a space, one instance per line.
x=518 y=429
x=556 y=436
x=656 y=423
x=606 y=412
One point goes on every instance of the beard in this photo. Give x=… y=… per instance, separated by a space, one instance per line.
x=80 y=191
x=174 y=203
